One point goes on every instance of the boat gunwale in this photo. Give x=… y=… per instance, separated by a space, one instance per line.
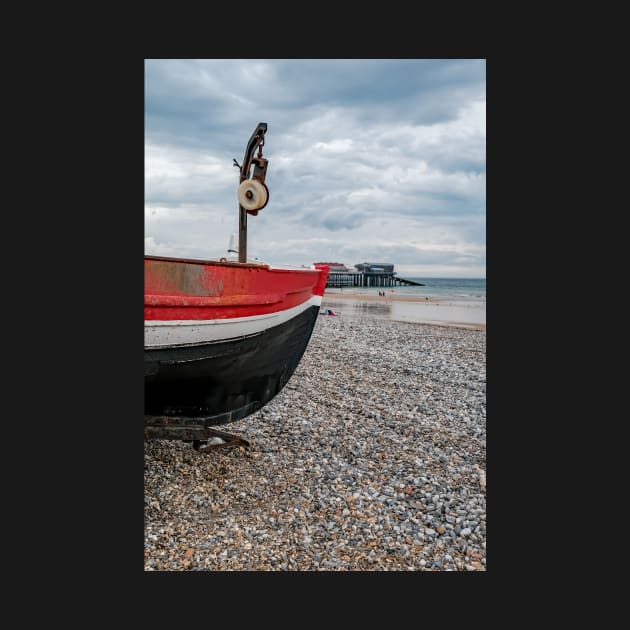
x=198 y=261
x=232 y=263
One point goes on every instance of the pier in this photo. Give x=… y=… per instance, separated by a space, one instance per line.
x=365 y=275
x=359 y=279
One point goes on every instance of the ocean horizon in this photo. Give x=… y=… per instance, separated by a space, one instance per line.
x=456 y=288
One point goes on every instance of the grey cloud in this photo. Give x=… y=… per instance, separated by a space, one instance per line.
x=356 y=147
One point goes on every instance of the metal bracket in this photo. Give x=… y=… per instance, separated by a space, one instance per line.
x=257 y=140
x=260 y=169
x=198 y=430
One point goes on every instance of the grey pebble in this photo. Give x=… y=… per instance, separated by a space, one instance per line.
x=369 y=459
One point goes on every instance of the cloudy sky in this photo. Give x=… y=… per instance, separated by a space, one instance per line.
x=369 y=161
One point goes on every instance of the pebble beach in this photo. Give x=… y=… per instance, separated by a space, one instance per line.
x=372 y=458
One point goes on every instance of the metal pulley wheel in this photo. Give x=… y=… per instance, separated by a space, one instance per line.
x=253 y=195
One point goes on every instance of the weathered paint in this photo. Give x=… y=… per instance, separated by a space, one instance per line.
x=181 y=289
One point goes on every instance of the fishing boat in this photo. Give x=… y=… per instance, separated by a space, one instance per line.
x=223 y=337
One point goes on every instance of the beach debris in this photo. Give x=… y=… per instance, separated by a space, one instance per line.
x=218 y=439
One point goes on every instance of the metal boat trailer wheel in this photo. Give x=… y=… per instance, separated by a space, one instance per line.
x=197 y=430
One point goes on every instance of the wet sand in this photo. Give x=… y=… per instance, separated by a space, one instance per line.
x=444 y=311
x=334 y=294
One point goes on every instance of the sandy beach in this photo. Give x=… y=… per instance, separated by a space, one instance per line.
x=347 y=294
x=372 y=458
x=442 y=311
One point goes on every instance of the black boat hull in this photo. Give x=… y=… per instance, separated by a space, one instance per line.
x=225 y=380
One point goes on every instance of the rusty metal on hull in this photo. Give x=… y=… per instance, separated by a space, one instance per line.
x=186 y=278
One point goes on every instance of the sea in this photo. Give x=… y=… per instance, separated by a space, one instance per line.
x=462 y=288
x=460 y=301
x=469 y=288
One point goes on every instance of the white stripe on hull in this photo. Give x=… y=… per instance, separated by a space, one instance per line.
x=171 y=333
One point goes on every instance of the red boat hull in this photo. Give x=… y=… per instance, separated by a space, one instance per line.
x=223 y=338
